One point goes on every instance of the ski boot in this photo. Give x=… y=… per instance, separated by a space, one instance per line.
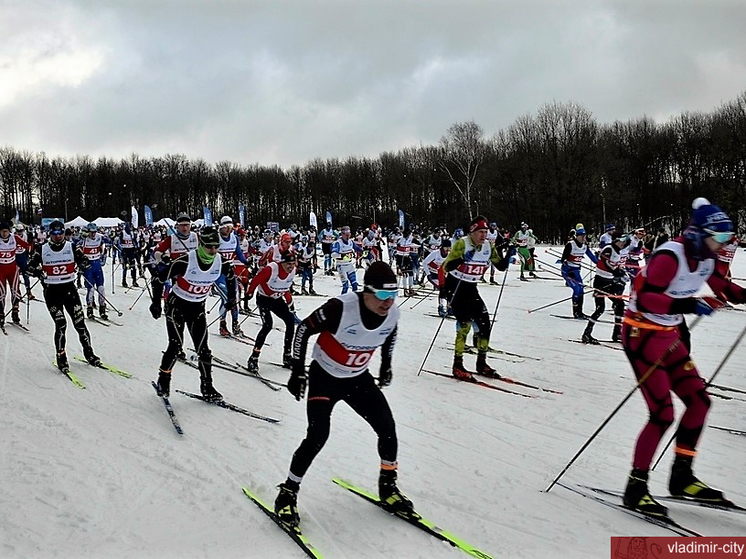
x=484 y=369
x=89 y=313
x=637 y=497
x=30 y=296
x=134 y=283
x=311 y=291
x=533 y=275
x=523 y=278
x=460 y=372
x=164 y=383
x=493 y=282
x=236 y=330
x=442 y=313
x=683 y=483
x=15 y=317
x=392 y=499
x=91 y=357
x=208 y=390
x=181 y=356
x=616 y=336
x=303 y=291
x=587 y=338
x=253 y=364
x=224 y=329
x=62 y=363
x=287 y=360
x=286 y=504
x=102 y=312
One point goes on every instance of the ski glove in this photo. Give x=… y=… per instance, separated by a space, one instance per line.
x=230 y=304
x=511 y=251
x=384 y=377
x=705 y=306
x=298 y=382
x=155 y=309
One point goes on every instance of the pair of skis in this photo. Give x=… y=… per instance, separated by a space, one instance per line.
x=76 y=381
x=500 y=378
x=415 y=519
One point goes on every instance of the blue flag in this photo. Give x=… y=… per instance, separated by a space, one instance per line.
x=328 y=217
x=207 y=214
x=401 y=219
x=148 y=216
x=241 y=215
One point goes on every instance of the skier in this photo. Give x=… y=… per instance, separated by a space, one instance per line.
x=462 y=269
x=571 y=258
x=273 y=284
x=352 y=327
x=128 y=247
x=343 y=251
x=55 y=263
x=404 y=269
x=609 y=281
x=231 y=252
x=608 y=237
x=520 y=239
x=327 y=237
x=193 y=275
x=93 y=246
x=432 y=264
x=307 y=264
x=22 y=256
x=657 y=343
x=9 y=272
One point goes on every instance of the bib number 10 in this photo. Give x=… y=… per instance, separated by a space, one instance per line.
x=358 y=359
x=199 y=289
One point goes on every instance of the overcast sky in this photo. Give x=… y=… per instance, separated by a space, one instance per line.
x=283 y=82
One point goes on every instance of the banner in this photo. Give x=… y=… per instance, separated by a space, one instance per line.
x=207 y=215
x=312 y=221
x=241 y=215
x=401 y=219
x=134 y=217
x=148 y=216
x=17 y=219
x=273 y=226
x=328 y=217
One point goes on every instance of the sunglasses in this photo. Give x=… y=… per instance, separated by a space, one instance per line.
x=211 y=246
x=721 y=238
x=383 y=294
x=57 y=232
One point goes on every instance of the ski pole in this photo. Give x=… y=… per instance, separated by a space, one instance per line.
x=550 y=304
x=442 y=320
x=494 y=314
x=420 y=301
x=738 y=341
x=640 y=382
x=142 y=292
x=119 y=313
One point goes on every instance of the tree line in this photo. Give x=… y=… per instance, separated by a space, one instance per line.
x=551 y=170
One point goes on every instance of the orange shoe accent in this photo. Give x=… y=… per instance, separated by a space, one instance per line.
x=685 y=451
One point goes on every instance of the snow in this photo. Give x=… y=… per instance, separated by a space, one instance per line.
x=100 y=472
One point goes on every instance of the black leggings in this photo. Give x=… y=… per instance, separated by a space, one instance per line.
x=180 y=313
x=362 y=395
x=267 y=306
x=60 y=298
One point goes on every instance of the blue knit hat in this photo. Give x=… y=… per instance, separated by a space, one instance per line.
x=710 y=218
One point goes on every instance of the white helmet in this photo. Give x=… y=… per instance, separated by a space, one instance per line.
x=226 y=220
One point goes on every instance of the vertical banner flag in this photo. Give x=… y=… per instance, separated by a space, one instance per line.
x=134 y=217
x=241 y=215
x=207 y=214
x=328 y=217
x=401 y=219
x=17 y=219
x=312 y=221
x=148 y=216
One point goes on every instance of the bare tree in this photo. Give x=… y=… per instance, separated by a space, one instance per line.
x=463 y=151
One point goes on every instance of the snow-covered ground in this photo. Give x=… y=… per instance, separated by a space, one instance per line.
x=100 y=472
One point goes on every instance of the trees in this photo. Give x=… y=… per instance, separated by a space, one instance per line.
x=462 y=153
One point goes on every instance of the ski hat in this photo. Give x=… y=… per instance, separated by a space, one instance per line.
x=20 y=227
x=288 y=257
x=57 y=225
x=445 y=243
x=92 y=227
x=709 y=217
x=610 y=227
x=226 y=220
x=479 y=222
x=183 y=217
x=380 y=276
x=4 y=225
x=209 y=237
x=580 y=229
x=524 y=225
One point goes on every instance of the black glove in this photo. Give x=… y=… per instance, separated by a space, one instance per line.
x=384 y=377
x=298 y=381
x=84 y=265
x=249 y=296
x=165 y=259
x=229 y=304
x=155 y=309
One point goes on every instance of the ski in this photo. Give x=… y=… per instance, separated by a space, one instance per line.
x=108 y=321
x=88 y=319
x=666 y=523
x=478 y=383
x=2 y=328
x=729 y=430
x=601 y=343
x=232 y=407
x=449 y=317
x=293 y=531
x=418 y=521
x=241 y=370
x=516 y=382
x=235 y=339
x=71 y=377
x=169 y=409
x=107 y=367
x=471 y=350
x=726 y=388
x=21 y=326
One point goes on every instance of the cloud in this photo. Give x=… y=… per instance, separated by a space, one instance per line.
x=283 y=82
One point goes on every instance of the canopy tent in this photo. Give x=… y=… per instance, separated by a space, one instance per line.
x=77 y=222
x=166 y=221
x=108 y=221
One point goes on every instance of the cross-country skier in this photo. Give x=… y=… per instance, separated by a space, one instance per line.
x=352 y=327
x=610 y=280
x=93 y=246
x=571 y=258
x=657 y=343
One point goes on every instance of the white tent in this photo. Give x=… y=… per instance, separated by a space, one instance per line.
x=77 y=222
x=108 y=221
x=167 y=221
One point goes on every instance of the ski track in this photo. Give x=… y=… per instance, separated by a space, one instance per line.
x=100 y=472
